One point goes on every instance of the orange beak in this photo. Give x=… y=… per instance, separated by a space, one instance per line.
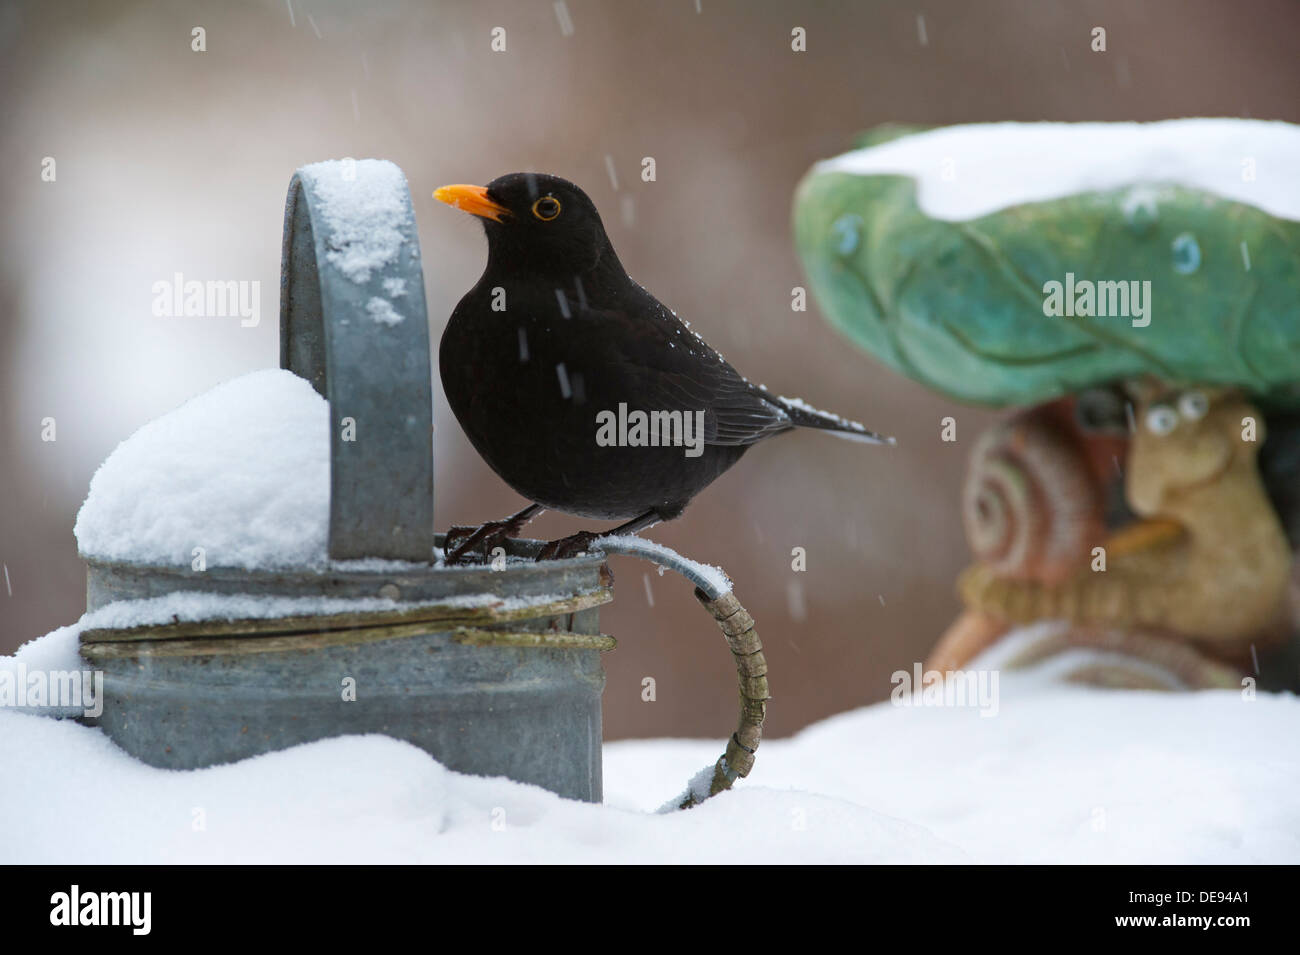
x=471 y=199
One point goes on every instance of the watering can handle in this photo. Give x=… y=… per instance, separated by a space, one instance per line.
x=355 y=327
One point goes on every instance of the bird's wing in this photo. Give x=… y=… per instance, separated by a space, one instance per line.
x=667 y=367
x=734 y=414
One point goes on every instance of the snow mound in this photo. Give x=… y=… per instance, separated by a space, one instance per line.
x=1061 y=774
x=57 y=650
x=394 y=804
x=54 y=653
x=964 y=172
x=241 y=471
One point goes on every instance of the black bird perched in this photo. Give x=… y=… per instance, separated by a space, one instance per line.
x=550 y=362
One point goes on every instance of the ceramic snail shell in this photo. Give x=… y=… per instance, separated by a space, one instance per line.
x=1030 y=503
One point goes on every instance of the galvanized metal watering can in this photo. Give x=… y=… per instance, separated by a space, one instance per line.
x=503 y=684
x=494 y=670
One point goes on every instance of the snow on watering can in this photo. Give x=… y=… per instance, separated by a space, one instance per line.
x=253 y=584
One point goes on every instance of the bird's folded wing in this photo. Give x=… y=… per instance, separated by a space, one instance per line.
x=734 y=412
x=662 y=370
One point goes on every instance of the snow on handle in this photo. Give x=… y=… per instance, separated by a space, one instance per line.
x=351 y=251
x=363 y=202
x=712 y=580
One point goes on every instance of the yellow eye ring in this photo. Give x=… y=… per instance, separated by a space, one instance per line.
x=546 y=208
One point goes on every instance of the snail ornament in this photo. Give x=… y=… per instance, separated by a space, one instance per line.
x=1207 y=560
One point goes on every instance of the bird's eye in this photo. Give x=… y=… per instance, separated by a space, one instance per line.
x=1193 y=406
x=1161 y=420
x=546 y=208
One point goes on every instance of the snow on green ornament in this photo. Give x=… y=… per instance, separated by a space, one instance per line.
x=1010 y=264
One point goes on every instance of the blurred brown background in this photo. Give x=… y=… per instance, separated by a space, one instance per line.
x=170 y=160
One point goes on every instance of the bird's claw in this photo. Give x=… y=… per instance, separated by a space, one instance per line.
x=462 y=542
x=456 y=535
x=570 y=546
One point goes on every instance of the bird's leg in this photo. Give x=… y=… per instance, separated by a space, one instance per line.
x=581 y=541
x=461 y=540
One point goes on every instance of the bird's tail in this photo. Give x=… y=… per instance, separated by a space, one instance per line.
x=804 y=415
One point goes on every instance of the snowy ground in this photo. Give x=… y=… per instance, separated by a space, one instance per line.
x=1060 y=774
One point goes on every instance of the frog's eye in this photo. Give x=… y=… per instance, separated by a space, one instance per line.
x=1161 y=420
x=546 y=208
x=1193 y=405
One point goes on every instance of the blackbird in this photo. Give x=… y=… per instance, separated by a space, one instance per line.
x=578 y=387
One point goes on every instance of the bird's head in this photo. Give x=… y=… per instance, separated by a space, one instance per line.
x=535 y=222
